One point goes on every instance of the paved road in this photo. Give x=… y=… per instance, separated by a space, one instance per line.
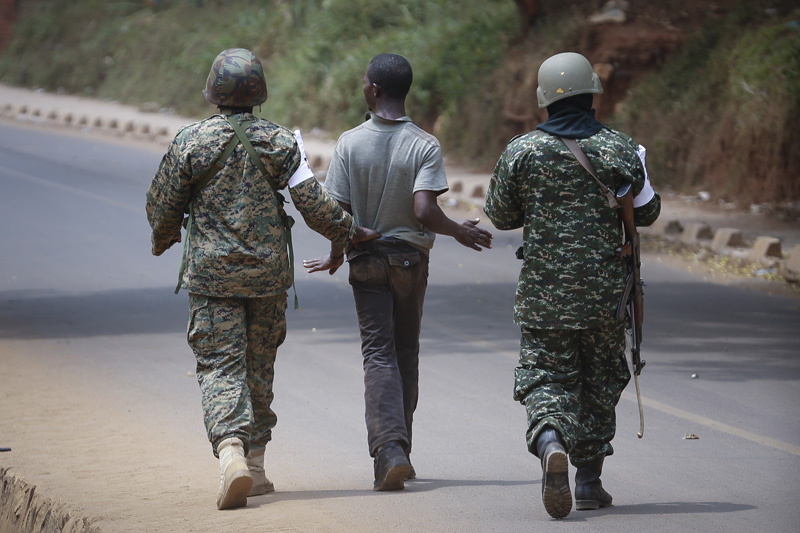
x=100 y=407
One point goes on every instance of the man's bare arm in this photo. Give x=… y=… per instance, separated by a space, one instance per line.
x=428 y=212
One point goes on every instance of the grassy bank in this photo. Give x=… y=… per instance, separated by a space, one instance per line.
x=314 y=51
x=725 y=115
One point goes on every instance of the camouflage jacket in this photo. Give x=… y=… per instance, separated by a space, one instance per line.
x=570 y=277
x=237 y=245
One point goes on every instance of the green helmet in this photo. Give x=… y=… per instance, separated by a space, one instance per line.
x=236 y=80
x=564 y=75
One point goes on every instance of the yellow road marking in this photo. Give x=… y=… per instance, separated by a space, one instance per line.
x=731 y=430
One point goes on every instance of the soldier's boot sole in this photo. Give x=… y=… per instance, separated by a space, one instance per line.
x=234 y=492
x=556 y=495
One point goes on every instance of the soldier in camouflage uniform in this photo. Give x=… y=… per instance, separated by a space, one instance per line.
x=237 y=267
x=572 y=367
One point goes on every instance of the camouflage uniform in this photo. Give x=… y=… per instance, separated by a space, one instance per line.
x=238 y=267
x=572 y=357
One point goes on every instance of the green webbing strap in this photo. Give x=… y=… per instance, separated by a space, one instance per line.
x=210 y=173
x=288 y=221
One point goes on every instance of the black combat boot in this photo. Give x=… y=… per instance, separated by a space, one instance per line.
x=589 y=493
x=391 y=467
x=556 y=496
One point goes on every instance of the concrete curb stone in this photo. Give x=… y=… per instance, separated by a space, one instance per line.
x=793 y=263
x=695 y=232
x=726 y=237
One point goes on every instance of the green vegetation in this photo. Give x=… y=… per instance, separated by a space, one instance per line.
x=314 y=51
x=725 y=114
x=722 y=115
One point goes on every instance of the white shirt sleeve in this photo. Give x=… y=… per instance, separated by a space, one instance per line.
x=647 y=192
x=304 y=171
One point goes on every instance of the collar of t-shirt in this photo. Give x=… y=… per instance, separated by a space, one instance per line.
x=384 y=123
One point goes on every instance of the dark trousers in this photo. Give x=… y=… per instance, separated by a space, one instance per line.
x=389 y=288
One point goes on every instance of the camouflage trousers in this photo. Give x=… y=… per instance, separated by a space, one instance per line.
x=571 y=380
x=235 y=341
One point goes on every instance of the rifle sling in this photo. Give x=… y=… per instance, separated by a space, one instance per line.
x=575 y=148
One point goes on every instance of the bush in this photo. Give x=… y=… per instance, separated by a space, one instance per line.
x=723 y=116
x=314 y=51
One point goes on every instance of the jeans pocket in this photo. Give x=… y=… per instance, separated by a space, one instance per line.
x=367 y=269
x=403 y=260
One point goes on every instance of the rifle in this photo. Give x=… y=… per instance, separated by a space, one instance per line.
x=632 y=302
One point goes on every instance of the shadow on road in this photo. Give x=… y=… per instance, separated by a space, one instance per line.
x=418 y=485
x=325 y=306
x=673 y=508
x=725 y=333
x=722 y=333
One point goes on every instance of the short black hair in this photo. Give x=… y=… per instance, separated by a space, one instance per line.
x=392 y=72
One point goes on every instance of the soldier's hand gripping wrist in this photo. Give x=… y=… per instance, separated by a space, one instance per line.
x=363 y=235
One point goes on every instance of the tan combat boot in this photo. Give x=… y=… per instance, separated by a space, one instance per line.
x=234 y=479
x=255 y=463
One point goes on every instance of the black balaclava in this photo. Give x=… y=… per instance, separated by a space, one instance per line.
x=572 y=118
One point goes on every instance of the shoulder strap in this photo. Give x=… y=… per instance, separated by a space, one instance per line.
x=245 y=140
x=575 y=148
x=288 y=221
x=211 y=171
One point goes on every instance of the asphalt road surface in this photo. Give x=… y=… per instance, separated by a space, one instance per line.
x=100 y=406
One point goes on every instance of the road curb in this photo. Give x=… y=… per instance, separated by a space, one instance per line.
x=110 y=118
x=159 y=129
x=764 y=250
x=24 y=510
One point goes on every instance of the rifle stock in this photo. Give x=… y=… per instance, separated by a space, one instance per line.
x=632 y=302
x=632 y=298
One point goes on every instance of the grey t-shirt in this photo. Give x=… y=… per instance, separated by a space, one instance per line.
x=378 y=166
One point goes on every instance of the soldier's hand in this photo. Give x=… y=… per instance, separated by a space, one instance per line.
x=327 y=262
x=364 y=234
x=175 y=239
x=471 y=236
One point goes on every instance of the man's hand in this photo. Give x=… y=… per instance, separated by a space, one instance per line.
x=327 y=262
x=363 y=235
x=471 y=236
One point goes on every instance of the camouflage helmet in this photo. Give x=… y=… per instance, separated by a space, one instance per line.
x=564 y=75
x=236 y=80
